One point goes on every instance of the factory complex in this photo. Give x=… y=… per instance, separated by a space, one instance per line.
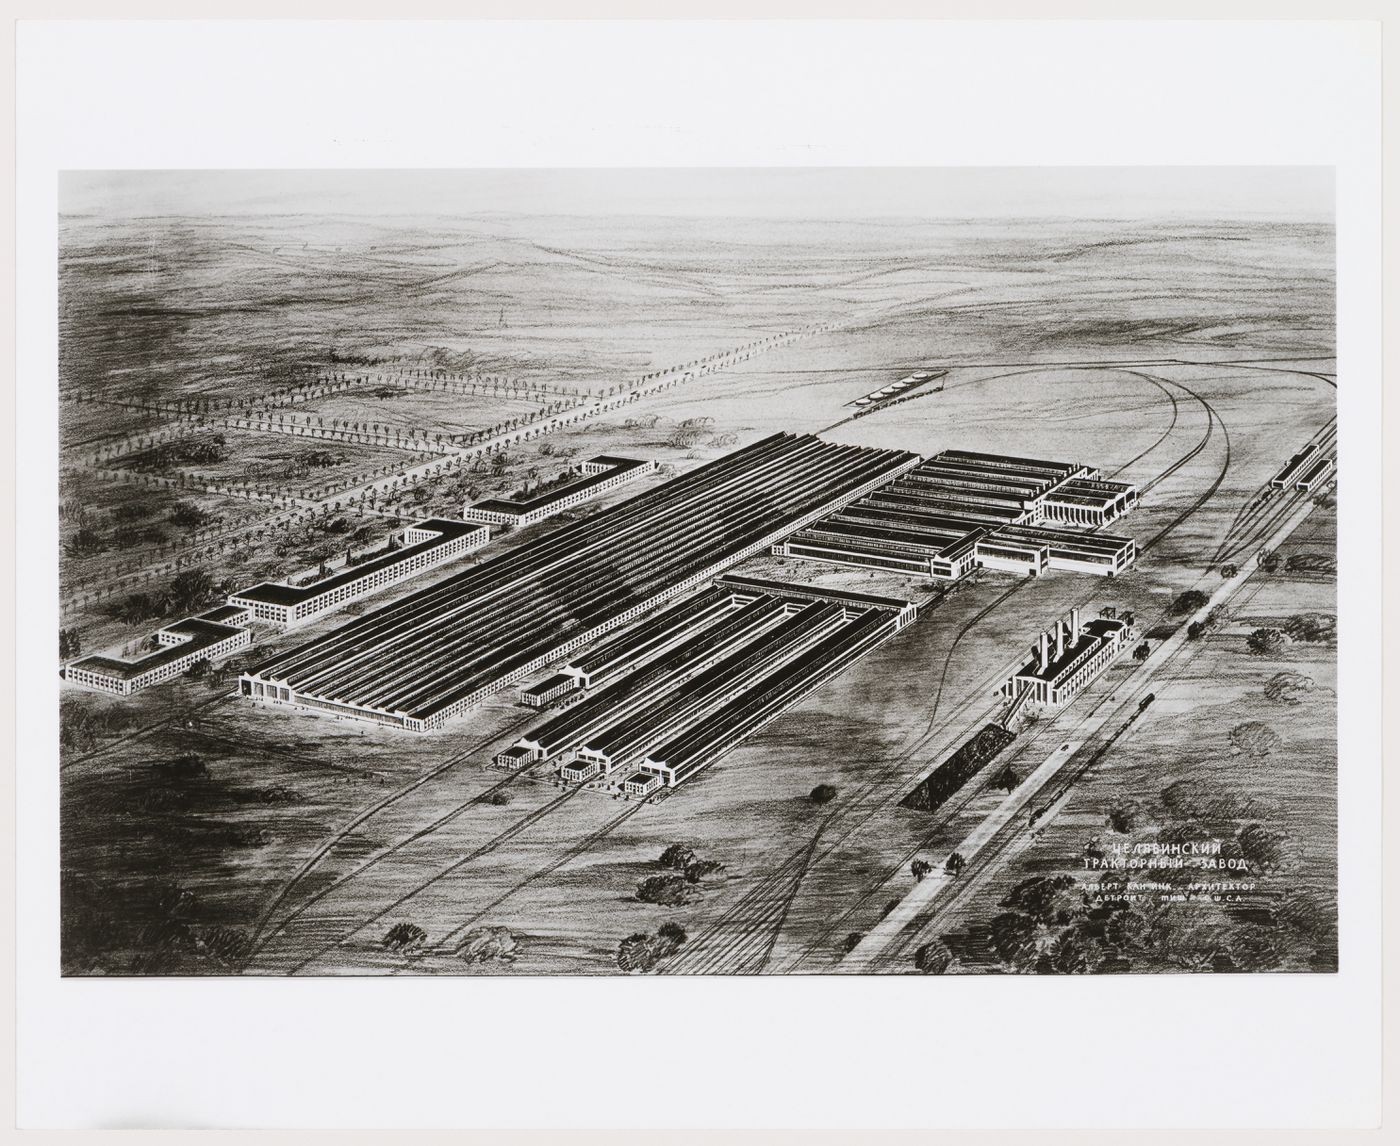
x=960 y=511
x=435 y=654
x=705 y=674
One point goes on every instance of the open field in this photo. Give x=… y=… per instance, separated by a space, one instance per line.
x=1182 y=358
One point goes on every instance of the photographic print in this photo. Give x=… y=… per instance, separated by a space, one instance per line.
x=698 y=572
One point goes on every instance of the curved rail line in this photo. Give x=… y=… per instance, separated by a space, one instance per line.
x=785 y=882
x=802 y=859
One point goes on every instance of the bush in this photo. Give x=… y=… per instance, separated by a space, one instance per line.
x=920 y=868
x=1311 y=563
x=955 y=864
x=404 y=937
x=1254 y=738
x=1125 y=817
x=933 y=958
x=670 y=937
x=1312 y=628
x=499 y=798
x=1266 y=642
x=1262 y=848
x=86 y=542
x=1288 y=687
x=1047 y=899
x=700 y=869
x=1195 y=630
x=1229 y=570
x=1188 y=602
x=822 y=794
x=666 y=890
x=488 y=945
x=677 y=856
x=636 y=953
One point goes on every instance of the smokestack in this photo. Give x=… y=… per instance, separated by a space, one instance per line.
x=1074 y=623
x=1044 y=650
x=1059 y=638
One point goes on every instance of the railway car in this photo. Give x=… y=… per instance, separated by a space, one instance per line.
x=1316 y=476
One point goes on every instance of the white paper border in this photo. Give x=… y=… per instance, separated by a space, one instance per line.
x=1228 y=1051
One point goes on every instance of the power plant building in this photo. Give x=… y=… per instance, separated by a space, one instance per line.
x=1065 y=660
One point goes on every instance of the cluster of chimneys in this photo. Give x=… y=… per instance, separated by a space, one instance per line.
x=1065 y=628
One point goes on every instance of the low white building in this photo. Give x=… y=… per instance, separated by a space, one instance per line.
x=211 y=636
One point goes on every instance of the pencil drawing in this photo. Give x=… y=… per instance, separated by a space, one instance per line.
x=508 y=573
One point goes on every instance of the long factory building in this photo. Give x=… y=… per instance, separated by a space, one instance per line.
x=961 y=511
x=435 y=654
x=716 y=669
x=426 y=545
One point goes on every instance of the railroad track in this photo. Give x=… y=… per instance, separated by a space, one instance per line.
x=771 y=900
x=313 y=861
x=521 y=825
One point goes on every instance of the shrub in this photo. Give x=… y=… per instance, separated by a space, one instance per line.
x=920 y=868
x=1288 y=687
x=404 y=937
x=933 y=958
x=678 y=856
x=955 y=864
x=700 y=869
x=1311 y=627
x=488 y=944
x=1124 y=817
x=499 y=798
x=666 y=890
x=669 y=939
x=636 y=953
x=1266 y=642
x=822 y=794
x=1262 y=848
x=1254 y=738
x=1311 y=563
x=1188 y=602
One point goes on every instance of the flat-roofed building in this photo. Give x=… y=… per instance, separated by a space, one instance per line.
x=1081 y=501
x=549 y=690
x=1102 y=554
x=211 y=636
x=426 y=545
x=592 y=478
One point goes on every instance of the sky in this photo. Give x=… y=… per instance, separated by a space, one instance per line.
x=1284 y=193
